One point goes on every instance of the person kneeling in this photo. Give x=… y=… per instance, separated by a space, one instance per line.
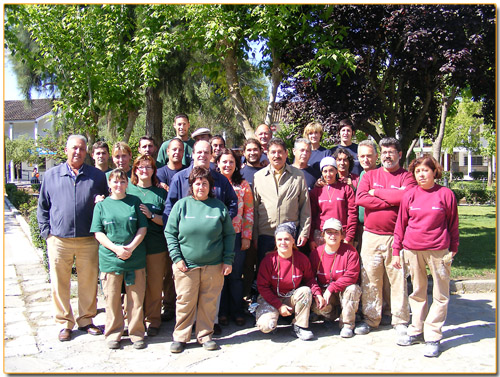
x=336 y=267
x=279 y=280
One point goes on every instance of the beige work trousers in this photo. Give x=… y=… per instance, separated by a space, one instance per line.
x=115 y=320
x=348 y=301
x=155 y=271
x=197 y=292
x=376 y=259
x=267 y=315
x=424 y=320
x=63 y=252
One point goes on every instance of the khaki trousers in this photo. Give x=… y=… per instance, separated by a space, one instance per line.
x=168 y=286
x=348 y=301
x=155 y=271
x=376 y=259
x=83 y=251
x=430 y=322
x=197 y=292
x=115 y=321
x=267 y=315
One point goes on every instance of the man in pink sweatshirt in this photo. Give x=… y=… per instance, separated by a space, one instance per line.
x=380 y=192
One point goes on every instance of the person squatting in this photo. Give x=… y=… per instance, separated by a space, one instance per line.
x=195 y=232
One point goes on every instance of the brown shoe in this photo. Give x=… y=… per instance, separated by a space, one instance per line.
x=65 y=335
x=91 y=329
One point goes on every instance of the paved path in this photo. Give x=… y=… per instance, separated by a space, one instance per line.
x=31 y=345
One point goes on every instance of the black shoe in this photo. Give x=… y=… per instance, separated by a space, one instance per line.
x=408 y=340
x=153 y=331
x=217 y=329
x=177 y=347
x=210 y=345
x=139 y=345
x=167 y=315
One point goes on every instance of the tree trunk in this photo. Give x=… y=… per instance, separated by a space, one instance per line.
x=445 y=106
x=154 y=114
x=408 y=152
x=111 y=127
x=231 y=67
x=131 y=118
x=490 y=171
x=276 y=76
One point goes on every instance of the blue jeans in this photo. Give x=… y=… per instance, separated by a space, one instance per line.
x=231 y=301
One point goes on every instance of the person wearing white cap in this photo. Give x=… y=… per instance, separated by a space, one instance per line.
x=202 y=134
x=284 y=281
x=336 y=267
x=333 y=200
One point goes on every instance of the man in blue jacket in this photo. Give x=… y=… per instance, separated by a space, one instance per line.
x=64 y=213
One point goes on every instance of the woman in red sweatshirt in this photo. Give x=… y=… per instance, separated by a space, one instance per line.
x=427 y=231
x=336 y=267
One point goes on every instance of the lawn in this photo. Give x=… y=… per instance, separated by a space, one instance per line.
x=476 y=256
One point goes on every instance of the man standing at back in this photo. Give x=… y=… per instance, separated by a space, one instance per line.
x=380 y=192
x=181 y=125
x=263 y=133
x=280 y=195
x=179 y=187
x=65 y=209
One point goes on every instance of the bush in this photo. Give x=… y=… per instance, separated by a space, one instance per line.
x=35 y=187
x=36 y=238
x=459 y=193
x=458 y=175
x=10 y=188
x=27 y=207
x=483 y=175
x=19 y=197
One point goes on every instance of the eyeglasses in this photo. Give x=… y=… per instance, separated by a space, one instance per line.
x=144 y=168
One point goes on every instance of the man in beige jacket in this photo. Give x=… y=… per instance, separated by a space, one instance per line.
x=280 y=195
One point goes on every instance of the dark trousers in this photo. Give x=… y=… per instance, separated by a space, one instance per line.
x=231 y=301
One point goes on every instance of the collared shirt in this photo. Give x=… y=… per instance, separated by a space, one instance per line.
x=289 y=202
x=66 y=204
x=277 y=175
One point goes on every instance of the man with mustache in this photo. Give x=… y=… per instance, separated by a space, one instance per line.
x=280 y=195
x=380 y=192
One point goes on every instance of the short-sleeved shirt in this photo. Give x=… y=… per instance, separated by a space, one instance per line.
x=154 y=198
x=120 y=220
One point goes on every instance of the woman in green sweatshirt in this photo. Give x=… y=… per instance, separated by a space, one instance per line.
x=200 y=238
x=120 y=226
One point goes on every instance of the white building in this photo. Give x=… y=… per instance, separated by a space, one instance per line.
x=30 y=120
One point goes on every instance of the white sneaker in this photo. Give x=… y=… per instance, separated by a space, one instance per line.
x=346 y=332
x=303 y=334
x=401 y=329
x=431 y=349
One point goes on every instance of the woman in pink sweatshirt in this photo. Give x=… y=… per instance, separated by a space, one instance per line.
x=427 y=231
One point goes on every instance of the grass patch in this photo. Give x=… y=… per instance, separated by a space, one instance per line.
x=476 y=256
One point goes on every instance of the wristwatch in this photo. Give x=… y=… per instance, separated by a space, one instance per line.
x=152 y=216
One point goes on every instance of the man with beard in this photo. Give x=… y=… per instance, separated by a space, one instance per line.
x=252 y=151
x=380 y=192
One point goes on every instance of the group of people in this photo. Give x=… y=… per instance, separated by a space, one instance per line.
x=194 y=231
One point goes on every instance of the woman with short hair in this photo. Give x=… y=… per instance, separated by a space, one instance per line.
x=120 y=226
x=200 y=238
x=427 y=231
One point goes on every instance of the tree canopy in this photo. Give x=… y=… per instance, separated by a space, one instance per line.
x=405 y=55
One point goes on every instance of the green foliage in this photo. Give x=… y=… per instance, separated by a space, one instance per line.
x=474 y=192
x=36 y=238
x=10 y=188
x=19 y=197
x=288 y=133
x=35 y=187
x=476 y=252
x=21 y=150
x=479 y=175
